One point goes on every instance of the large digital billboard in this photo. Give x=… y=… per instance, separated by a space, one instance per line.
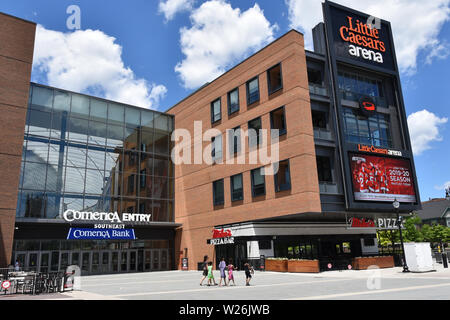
x=378 y=178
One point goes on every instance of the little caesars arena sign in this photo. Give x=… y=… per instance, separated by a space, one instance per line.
x=111 y=217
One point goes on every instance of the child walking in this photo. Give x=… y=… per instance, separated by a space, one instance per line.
x=211 y=275
x=230 y=273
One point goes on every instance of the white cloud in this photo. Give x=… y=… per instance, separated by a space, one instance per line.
x=91 y=62
x=445 y=186
x=220 y=36
x=171 y=7
x=415 y=23
x=424 y=129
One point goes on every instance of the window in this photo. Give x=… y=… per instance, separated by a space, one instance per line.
x=142 y=208
x=274 y=79
x=265 y=244
x=373 y=130
x=131 y=183
x=258 y=182
x=143 y=178
x=237 y=191
x=216 y=148
x=315 y=77
x=324 y=169
x=369 y=242
x=233 y=101
x=354 y=86
x=252 y=91
x=254 y=132
x=216 y=111
x=218 y=192
x=278 y=120
x=283 y=177
x=234 y=140
x=319 y=119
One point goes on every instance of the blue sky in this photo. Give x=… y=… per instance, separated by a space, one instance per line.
x=162 y=51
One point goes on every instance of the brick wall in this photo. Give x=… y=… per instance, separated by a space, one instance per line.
x=16 y=57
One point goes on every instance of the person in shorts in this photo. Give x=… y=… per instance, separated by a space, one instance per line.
x=248 y=273
x=205 y=269
x=230 y=273
x=211 y=279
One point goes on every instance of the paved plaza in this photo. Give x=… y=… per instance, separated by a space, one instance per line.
x=184 y=285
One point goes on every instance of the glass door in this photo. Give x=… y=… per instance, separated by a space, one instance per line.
x=105 y=262
x=133 y=261
x=164 y=259
x=45 y=262
x=76 y=259
x=140 y=267
x=115 y=261
x=147 y=260
x=123 y=261
x=64 y=261
x=95 y=266
x=21 y=259
x=156 y=260
x=85 y=262
x=33 y=259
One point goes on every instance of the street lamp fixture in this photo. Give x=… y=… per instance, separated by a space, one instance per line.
x=396 y=206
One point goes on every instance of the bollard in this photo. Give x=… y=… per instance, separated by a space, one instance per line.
x=444 y=260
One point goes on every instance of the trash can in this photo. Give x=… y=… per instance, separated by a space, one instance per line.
x=444 y=260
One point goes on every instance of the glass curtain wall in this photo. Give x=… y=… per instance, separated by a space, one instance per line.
x=89 y=154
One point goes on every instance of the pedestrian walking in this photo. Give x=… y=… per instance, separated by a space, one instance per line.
x=248 y=273
x=17 y=266
x=205 y=269
x=223 y=276
x=230 y=273
x=211 y=275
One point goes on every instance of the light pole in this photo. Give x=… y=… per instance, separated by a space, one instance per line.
x=396 y=205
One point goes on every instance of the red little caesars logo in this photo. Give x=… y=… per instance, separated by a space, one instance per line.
x=367 y=106
x=221 y=233
x=361 y=34
x=372 y=149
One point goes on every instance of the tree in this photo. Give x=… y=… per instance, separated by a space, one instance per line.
x=412 y=229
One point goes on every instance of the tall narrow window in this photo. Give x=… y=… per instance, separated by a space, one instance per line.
x=258 y=182
x=216 y=112
x=218 y=192
x=254 y=132
x=283 y=177
x=234 y=140
x=319 y=119
x=143 y=178
x=278 y=120
x=252 y=91
x=274 y=79
x=324 y=169
x=237 y=191
x=216 y=148
x=233 y=101
x=131 y=183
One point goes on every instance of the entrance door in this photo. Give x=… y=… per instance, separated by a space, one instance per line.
x=132 y=261
x=147 y=260
x=95 y=265
x=115 y=261
x=123 y=261
x=164 y=259
x=21 y=258
x=156 y=265
x=104 y=260
x=33 y=260
x=44 y=262
x=76 y=259
x=86 y=262
x=64 y=260
x=140 y=266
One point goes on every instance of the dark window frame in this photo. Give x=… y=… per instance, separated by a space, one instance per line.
x=143 y=178
x=273 y=90
x=258 y=133
x=233 y=147
x=233 y=191
x=213 y=120
x=287 y=186
x=131 y=186
x=253 y=183
x=248 y=91
x=331 y=167
x=222 y=201
x=281 y=132
x=230 y=112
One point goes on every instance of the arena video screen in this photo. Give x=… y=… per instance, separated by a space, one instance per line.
x=376 y=178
